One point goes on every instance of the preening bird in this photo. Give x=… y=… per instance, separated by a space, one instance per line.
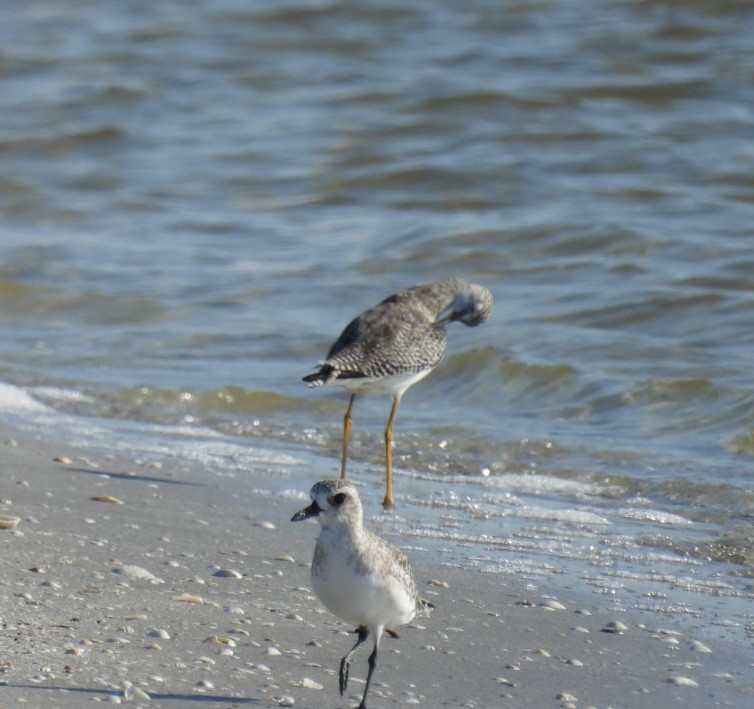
x=393 y=345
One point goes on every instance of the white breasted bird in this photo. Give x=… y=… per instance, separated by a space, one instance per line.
x=357 y=575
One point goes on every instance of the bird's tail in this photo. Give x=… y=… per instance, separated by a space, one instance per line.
x=315 y=380
x=325 y=375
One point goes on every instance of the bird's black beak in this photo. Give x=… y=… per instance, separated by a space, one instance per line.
x=312 y=511
x=446 y=315
x=463 y=309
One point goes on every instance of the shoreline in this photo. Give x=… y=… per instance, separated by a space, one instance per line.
x=155 y=584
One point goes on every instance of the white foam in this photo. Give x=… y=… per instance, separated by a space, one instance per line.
x=545 y=485
x=15 y=400
x=577 y=517
x=658 y=516
x=63 y=395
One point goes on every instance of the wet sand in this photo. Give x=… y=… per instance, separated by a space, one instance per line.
x=146 y=584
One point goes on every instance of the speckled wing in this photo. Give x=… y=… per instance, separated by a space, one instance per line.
x=393 y=562
x=391 y=338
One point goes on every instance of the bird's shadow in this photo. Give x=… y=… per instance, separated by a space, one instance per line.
x=131 y=477
x=165 y=696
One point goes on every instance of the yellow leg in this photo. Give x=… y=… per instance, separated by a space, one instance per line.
x=387 y=503
x=346 y=435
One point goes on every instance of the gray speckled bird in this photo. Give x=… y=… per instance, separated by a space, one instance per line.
x=396 y=343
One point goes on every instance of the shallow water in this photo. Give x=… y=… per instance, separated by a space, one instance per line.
x=197 y=198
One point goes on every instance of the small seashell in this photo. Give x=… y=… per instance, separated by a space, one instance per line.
x=719 y=675
x=220 y=640
x=189 y=598
x=441 y=584
x=203 y=684
x=159 y=633
x=9 y=522
x=273 y=651
x=616 y=627
x=307 y=683
x=285 y=557
x=228 y=574
x=552 y=605
x=131 y=693
x=286 y=701
x=683 y=682
x=665 y=631
x=63 y=460
x=137 y=573
x=698 y=646
x=566 y=697
x=108 y=498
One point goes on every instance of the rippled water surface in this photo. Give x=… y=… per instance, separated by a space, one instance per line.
x=196 y=198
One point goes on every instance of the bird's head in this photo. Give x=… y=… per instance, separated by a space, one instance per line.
x=334 y=502
x=472 y=305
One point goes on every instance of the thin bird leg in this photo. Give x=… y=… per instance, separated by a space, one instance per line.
x=387 y=503
x=345 y=663
x=346 y=435
x=372 y=665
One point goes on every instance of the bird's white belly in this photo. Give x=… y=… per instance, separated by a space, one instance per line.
x=361 y=598
x=393 y=384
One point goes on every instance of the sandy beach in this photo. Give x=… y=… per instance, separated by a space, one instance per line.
x=136 y=582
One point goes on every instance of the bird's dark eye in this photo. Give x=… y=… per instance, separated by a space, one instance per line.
x=339 y=499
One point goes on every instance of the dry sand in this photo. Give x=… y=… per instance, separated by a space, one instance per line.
x=164 y=587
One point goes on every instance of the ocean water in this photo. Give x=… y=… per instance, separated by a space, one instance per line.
x=196 y=197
